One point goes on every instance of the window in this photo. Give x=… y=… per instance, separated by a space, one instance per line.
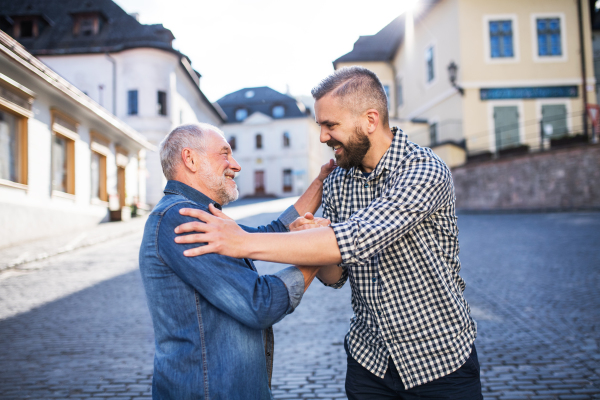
x=433 y=134
x=501 y=39
x=286 y=139
x=241 y=114
x=278 y=112
x=232 y=142
x=64 y=135
x=132 y=102
x=287 y=180
x=259 y=143
x=14 y=112
x=99 y=152
x=26 y=29
x=399 y=94
x=548 y=37
x=161 y=105
x=86 y=24
x=429 y=64
x=122 y=159
x=13 y=150
x=386 y=88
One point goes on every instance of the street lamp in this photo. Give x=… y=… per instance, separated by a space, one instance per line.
x=452 y=71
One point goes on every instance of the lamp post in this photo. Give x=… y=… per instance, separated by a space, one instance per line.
x=452 y=71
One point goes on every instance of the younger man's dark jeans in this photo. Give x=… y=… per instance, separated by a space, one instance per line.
x=462 y=384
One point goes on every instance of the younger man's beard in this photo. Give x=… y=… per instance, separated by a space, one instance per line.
x=354 y=151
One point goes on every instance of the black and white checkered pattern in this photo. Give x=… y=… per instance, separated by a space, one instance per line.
x=397 y=234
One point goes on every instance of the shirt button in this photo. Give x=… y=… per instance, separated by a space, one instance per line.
x=366 y=185
x=374 y=279
x=379 y=313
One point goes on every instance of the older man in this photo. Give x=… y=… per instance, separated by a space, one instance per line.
x=394 y=235
x=213 y=314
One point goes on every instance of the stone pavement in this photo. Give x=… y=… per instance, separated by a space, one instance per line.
x=76 y=325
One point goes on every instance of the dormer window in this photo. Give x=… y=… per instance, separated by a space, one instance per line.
x=26 y=27
x=241 y=114
x=278 y=111
x=86 y=24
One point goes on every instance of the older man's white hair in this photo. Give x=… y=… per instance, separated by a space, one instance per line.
x=190 y=136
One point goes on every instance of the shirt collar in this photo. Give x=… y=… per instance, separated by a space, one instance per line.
x=391 y=158
x=176 y=187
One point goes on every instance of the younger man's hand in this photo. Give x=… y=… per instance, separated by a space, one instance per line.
x=309 y=221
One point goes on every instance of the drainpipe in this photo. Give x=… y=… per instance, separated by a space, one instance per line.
x=583 y=72
x=114 y=82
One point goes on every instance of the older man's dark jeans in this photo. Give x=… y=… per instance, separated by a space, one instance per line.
x=462 y=384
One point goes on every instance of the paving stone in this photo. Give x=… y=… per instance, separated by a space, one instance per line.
x=78 y=327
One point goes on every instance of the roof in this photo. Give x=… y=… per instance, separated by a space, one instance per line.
x=17 y=53
x=260 y=99
x=383 y=45
x=118 y=30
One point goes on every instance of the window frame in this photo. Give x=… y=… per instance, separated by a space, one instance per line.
x=563 y=37
x=287 y=188
x=433 y=80
x=232 y=142
x=487 y=48
x=71 y=137
x=100 y=145
x=287 y=140
x=11 y=91
x=236 y=114
x=162 y=109
x=258 y=141
x=278 y=107
x=137 y=103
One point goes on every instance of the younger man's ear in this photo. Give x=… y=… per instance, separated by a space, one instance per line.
x=373 y=120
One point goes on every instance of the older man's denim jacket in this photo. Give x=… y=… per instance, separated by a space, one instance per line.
x=212 y=314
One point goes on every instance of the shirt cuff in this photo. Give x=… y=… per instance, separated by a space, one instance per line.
x=294 y=282
x=345 y=234
x=289 y=216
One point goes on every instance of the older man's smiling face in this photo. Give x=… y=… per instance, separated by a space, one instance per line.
x=218 y=169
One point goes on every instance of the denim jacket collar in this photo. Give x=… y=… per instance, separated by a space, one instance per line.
x=176 y=187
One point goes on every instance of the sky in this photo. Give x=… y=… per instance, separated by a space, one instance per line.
x=286 y=45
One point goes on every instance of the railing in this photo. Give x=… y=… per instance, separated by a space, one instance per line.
x=508 y=139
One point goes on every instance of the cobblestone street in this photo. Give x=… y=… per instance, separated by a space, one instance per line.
x=76 y=325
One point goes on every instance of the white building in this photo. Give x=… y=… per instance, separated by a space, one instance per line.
x=64 y=160
x=276 y=141
x=128 y=68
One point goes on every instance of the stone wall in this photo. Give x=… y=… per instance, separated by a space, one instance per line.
x=566 y=179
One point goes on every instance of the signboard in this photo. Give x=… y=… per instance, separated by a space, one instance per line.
x=539 y=92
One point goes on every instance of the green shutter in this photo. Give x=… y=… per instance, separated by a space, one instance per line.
x=506 y=126
x=555 y=115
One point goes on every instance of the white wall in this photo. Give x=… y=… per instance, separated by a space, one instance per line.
x=33 y=212
x=146 y=70
x=304 y=156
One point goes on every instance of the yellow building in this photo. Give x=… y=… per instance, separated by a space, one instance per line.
x=481 y=79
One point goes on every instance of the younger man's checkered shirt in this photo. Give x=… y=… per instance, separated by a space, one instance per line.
x=397 y=234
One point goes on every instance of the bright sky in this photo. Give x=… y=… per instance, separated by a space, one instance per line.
x=245 y=43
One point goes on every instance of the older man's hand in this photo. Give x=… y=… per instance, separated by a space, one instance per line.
x=326 y=169
x=308 y=221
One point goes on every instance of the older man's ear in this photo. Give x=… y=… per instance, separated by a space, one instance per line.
x=190 y=159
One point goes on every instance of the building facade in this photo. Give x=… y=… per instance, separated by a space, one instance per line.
x=65 y=162
x=482 y=79
x=275 y=139
x=128 y=68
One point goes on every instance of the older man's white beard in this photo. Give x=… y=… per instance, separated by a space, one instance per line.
x=218 y=184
